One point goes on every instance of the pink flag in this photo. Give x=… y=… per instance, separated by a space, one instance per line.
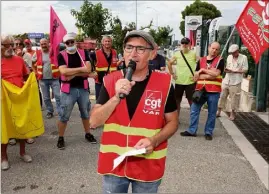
x=57 y=32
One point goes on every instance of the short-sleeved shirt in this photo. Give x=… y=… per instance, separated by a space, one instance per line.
x=47 y=72
x=235 y=64
x=74 y=61
x=157 y=62
x=13 y=70
x=183 y=73
x=220 y=66
x=135 y=95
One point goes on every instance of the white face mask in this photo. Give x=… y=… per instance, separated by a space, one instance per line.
x=71 y=48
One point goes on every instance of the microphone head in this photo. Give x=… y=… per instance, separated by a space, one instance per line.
x=132 y=65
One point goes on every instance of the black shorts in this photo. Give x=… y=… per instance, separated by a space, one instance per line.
x=179 y=91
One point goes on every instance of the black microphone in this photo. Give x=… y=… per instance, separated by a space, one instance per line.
x=129 y=73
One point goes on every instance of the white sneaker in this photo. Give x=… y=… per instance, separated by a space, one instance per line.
x=26 y=158
x=5 y=165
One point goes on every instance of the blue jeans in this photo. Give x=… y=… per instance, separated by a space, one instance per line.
x=114 y=184
x=97 y=90
x=79 y=95
x=212 y=102
x=45 y=85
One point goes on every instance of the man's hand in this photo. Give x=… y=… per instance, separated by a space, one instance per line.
x=174 y=76
x=123 y=86
x=87 y=68
x=147 y=143
x=19 y=52
x=196 y=76
x=228 y=70
x=68 y=78
x=93 y=75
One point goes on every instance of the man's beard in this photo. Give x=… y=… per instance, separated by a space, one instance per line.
x=8 y=53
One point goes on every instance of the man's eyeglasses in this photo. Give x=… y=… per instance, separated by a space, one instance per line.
x=8 y=45
x=138 y=49
x=69 y=42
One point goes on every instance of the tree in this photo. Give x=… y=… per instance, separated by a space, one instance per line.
x=21 y=36
x=118 y=32
x=161 y=35
x=207 y=10
x=92 y=19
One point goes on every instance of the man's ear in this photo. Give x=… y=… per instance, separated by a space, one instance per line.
x=153 y=54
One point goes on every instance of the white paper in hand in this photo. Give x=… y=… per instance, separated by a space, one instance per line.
x=133 y=152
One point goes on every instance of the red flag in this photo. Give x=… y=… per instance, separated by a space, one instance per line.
x=57 y=32
x=253 y=27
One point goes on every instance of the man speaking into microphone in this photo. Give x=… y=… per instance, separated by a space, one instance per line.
x=139 y=113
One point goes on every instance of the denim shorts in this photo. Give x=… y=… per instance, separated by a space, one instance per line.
x=79 y=95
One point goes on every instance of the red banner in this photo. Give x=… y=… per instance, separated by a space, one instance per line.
x=57 y=32
x=253 y=27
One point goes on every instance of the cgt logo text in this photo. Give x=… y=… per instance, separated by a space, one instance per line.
x=153 y=102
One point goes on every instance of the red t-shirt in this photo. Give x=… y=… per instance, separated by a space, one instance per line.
x=13 y=70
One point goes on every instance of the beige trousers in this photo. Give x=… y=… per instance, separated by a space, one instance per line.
x=233 y=92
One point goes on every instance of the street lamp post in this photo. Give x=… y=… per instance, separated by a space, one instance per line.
x=156 y=15
x=136 y=14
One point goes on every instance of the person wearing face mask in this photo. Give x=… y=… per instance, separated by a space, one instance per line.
x=105 y=61
x=13 y=70
x=48 y=75
x=75 y=70
x=184 y=72
x=237 y=65
x=144 y=120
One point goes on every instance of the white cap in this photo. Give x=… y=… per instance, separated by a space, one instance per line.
x=69 y=36
x=233 y=48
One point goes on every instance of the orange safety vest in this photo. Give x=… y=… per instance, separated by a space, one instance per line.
x=121 y=134
x=39 y=65
x=102 y=64
x=209 y=85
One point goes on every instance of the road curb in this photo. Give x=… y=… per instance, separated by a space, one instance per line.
x=251 y=154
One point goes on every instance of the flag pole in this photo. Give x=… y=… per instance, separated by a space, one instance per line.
x=225 y=45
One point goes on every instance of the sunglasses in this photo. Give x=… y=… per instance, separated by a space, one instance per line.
x=8 y=45
x=184 y=43
x=19 y=44
x=69 y=42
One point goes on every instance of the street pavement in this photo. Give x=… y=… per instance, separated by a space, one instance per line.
x=194 y=165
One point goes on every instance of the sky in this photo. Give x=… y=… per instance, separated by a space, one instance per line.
x=33 y=16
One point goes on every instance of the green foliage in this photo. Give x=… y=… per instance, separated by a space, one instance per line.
x=92 y=19
x=21 y=36
x=79 y=38
x=207 y=10
x=162 y=35
x=119 y=32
